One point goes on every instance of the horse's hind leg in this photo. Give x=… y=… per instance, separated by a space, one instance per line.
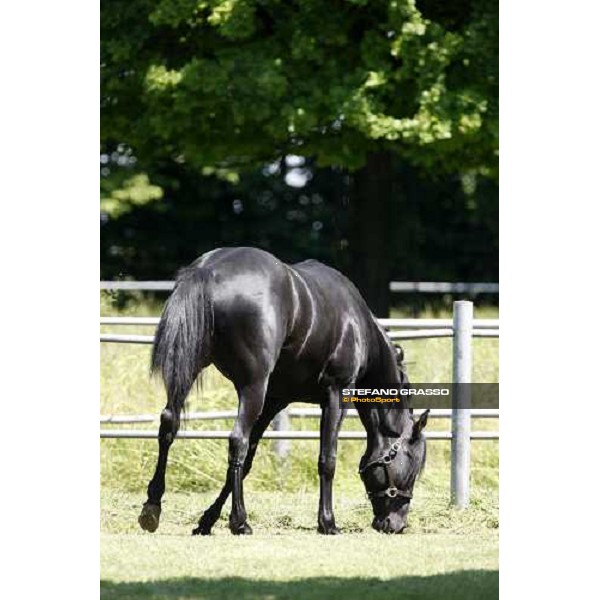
x=252 y=398
x=169 y=425
x=211 y=515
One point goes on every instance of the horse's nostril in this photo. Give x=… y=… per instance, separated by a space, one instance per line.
x=388 y=525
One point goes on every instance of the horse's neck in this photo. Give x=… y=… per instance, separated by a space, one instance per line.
x=382 y=424
x=384 y=366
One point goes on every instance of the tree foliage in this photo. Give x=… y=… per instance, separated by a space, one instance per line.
x=225 y=84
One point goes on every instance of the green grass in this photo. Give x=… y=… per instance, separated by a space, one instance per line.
x=307 y=568
x=299 y=566
x=444 y=550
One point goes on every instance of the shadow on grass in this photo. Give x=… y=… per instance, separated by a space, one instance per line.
x=463 y=585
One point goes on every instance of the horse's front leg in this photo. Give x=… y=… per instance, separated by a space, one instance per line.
x=252 y=398
x=331 y=421
x=210 y=516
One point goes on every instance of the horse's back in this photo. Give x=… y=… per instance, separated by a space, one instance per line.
x=333 y=285
x=229 y=261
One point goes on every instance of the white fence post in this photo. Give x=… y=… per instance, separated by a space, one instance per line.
x=281 y=422
x=461 y=411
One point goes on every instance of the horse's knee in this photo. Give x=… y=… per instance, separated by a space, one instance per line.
x=238 y=447
x=327 y=466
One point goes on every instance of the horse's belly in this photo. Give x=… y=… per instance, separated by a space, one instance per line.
x=305 y=378
x=294 y=379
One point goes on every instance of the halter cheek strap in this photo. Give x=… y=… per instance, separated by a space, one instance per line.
x=385 y=460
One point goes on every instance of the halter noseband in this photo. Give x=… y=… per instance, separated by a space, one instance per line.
x=385 y=460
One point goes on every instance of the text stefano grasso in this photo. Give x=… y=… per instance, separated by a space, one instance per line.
x=396 y=392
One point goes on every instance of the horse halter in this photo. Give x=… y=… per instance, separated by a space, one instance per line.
x=385 y=460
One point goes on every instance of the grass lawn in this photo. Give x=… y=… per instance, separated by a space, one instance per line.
x=286 y=558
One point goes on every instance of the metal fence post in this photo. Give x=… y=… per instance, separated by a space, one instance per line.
x=461 y=411
x=281 y=422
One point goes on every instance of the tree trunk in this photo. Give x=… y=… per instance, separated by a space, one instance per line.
x=371 y=229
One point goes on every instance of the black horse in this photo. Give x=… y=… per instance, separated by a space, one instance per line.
x=283 y=333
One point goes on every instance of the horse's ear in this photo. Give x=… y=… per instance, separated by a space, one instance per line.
x=399 y=354
x=420 y=425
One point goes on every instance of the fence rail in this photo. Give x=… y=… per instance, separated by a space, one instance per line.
x=387 y=323
x=141 y=286
x=425 y=287
x=443 y=287
x=124 y=338
x=398 y=329
x=206 y=415
x=221 y=434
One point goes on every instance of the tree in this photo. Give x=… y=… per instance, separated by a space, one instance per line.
x=226 y=85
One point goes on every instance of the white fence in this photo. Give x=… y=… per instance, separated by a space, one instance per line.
x=209 y=415
x=398 y=329
x=462 y=328
x=442 y=287
x=221 y=434
x=421 y=287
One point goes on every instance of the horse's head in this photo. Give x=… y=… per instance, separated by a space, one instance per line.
x=390 y=477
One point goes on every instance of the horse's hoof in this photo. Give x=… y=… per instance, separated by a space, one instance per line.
x=329 y=530
x=243 y=529
x=149 y=517
x=205 y=524
x=202 y=529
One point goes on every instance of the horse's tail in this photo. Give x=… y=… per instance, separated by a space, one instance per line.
x=182 y=342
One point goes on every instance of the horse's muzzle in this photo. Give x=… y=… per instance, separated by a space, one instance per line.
x=389 y=525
